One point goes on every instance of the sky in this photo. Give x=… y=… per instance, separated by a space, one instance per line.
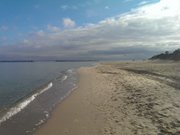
x=88 y=29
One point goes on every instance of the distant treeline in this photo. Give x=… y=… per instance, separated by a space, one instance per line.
x=168 y=56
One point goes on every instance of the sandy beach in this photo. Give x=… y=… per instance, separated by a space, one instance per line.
x=121 y=98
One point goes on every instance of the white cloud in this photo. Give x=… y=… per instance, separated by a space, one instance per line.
x=68 y=23
x=143 y=3
x=4 y=28
x=139 y=33
x=40 y=33
x=106 y=7
x=127 y=0
x=25 y=41
x=64 y=7
x=52 y=28
x=164 y=8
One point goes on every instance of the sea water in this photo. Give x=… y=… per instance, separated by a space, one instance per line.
x=29 y=91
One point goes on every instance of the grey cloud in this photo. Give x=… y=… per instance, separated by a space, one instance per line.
x=139 y=33
x=125 y=50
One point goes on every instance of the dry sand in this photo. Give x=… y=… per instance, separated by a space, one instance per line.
x=122 y=98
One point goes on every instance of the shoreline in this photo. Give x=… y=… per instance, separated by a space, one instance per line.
x=120 y=98
x=82 y=116
x=36 y=107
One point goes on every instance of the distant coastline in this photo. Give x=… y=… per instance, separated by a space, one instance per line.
x=168 y=56
x=7 y=61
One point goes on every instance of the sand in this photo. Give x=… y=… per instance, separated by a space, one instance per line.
x=121 y=98
x=77 y=115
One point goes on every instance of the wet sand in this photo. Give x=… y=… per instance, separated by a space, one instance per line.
x=121 y=98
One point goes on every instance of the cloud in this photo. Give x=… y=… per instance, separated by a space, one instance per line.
x=40 y=33
x=3 y=38
x=127 y=0
x=139 y=33
x=68 y=23
x=143 y=3
x=52 y=28
x=4 y=28
x=107 y=7
x=91 y=13
x=162 y=9
x=64 y=7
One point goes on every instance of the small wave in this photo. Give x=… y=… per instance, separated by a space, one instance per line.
x=46 y=88
x=43 y=120
x=40 y=122
x=14 y=110
x=64 y=78
x=68 y=93
x=70 y=71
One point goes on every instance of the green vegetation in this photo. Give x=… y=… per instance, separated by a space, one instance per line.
x=168 y=56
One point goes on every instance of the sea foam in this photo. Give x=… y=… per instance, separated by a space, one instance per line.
x=20 y=106
x=64 y=78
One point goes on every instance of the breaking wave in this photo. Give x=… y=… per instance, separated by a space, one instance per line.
x=20 y=106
